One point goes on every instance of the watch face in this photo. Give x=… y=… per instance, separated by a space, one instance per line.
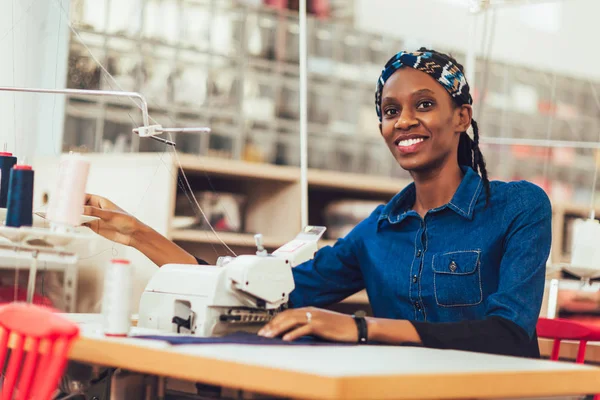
x=360 y=314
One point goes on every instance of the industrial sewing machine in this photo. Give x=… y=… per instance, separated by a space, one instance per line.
x=238 y=294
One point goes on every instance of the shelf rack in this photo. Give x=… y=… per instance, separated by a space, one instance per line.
x=238 y=74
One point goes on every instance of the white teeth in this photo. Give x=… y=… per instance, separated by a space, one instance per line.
x=409 y=142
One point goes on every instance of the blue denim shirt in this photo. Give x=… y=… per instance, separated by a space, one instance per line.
x=463 y=261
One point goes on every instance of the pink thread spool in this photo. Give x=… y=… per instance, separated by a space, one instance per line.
x=66 y=203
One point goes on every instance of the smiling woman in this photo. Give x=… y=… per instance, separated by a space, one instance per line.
x=418 y=109
x=452 y=261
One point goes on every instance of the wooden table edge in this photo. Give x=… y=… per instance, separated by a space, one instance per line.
x=261 y=379
x=502 y=384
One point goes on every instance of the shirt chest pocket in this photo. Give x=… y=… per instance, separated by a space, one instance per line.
x=457 y=278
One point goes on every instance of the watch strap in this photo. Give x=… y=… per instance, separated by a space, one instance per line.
x=361 y=325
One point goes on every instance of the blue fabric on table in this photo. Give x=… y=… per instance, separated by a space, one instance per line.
x=242 y=338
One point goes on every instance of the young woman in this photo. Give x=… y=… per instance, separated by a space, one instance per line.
x=452 y=261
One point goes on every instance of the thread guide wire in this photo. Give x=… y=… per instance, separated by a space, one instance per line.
x=146 y=130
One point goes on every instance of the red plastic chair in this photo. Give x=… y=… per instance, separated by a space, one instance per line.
x=562 y=329
x=8 y=295
x=45 y=337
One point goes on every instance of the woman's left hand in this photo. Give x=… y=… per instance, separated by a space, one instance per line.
x=325 y=324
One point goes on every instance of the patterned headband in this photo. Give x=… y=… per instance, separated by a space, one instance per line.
x=440 y=68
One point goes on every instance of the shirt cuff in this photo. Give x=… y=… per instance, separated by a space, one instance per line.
x=494 y=335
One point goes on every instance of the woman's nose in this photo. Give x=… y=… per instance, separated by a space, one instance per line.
x=406 y=121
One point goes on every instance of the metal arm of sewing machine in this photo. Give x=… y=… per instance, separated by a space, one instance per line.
x=147 y=130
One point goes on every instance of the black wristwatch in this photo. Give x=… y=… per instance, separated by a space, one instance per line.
x=361 y=324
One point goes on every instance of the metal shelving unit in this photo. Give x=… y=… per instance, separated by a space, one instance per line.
x=235 y=68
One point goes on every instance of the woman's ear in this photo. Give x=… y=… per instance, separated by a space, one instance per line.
x=465 y=114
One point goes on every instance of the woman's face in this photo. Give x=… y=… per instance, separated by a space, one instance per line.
x=420 y=122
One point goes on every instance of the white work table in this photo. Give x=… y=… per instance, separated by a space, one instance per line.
x=338 y=372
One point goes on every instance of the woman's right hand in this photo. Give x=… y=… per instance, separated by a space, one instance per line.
x=117 y=225
x=114 y=223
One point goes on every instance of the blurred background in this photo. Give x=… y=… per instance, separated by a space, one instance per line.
x=234 y=66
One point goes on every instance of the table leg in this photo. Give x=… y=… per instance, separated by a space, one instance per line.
x=32 y=275
x=160 y=392
x=552 y=299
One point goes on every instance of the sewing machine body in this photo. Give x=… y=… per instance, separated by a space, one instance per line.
x=239 y=294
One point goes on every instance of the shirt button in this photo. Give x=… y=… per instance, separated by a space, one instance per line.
x=414 y=279
x=418 y=253
x=452 y=266
x=418 y=305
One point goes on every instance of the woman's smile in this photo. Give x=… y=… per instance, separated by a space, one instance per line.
x=408 y=144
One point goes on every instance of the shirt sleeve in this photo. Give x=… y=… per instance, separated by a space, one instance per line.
x=334 y=273
x=494 y=335
x=513 y=310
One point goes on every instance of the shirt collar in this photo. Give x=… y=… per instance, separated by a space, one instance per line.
x=463 y=202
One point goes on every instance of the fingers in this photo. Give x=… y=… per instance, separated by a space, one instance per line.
x=96 y=212
x=91 y=200
x=102 y=203
x=98 y=201
x=280 y=327
x=329 y=325
x=93 y=225
x=298 y=333
x=284 y=322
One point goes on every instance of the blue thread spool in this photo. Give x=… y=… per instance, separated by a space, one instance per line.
x=7 y=161
x=19 y=210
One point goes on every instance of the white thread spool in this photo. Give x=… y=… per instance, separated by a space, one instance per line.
x=585 y=250
x=66 y=203
x=116 y=298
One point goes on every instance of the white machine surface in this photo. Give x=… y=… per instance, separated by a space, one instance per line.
x=238 y=294
x=585 y=252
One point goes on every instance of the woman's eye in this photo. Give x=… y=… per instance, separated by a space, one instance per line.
x=390 y=112
x=425 y=104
